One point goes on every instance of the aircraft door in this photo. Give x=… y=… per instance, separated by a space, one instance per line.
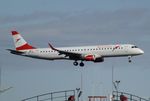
x=126 y=49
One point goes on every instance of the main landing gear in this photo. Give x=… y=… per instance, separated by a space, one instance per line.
x=129 y=59
x=76 y=63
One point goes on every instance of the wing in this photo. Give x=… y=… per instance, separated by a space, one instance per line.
x=71 y=55
x=79 y=56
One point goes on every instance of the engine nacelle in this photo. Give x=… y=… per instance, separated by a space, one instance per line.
x=89 y=57
x=94 y=58
x=99 y=59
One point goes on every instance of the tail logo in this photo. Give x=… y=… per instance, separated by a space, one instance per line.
x=20 y=43
x=116 y=47
x=17 y=40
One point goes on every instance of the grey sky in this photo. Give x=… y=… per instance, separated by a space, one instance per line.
x=69 y=23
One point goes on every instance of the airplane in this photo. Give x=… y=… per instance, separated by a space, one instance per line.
x=95 y=53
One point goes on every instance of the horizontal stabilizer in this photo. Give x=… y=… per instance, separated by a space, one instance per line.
x=15 y=52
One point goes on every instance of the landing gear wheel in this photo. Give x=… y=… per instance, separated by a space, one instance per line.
x=81 y=64
x=75 y=63
x=129 y=59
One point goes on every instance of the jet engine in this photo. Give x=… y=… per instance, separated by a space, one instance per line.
x=94 y=58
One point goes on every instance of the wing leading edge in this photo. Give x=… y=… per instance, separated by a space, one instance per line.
x=71 y=55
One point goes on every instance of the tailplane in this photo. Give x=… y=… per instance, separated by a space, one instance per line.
x=20 y=43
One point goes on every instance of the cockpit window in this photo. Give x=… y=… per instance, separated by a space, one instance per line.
x=134 y=47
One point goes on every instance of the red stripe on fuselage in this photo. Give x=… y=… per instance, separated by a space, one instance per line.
x=24 y=47
x=14 y=33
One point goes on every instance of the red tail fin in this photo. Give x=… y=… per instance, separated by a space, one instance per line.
x=20 y=43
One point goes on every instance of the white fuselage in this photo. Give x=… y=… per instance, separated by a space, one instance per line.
x=95 y=53
x=102 y=50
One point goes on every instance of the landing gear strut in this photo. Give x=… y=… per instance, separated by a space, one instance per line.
x=129 y=59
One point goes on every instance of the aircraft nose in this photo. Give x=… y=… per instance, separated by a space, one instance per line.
x=141 y=51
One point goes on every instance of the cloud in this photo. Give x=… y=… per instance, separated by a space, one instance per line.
x=30 y=18
x=122 y=24
x=97 y=22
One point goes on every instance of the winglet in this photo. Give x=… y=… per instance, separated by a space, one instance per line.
x=52 y=47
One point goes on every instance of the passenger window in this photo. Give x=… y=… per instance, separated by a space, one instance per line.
x=134 y=47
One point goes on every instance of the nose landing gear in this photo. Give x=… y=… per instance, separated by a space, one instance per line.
x=129 y=59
